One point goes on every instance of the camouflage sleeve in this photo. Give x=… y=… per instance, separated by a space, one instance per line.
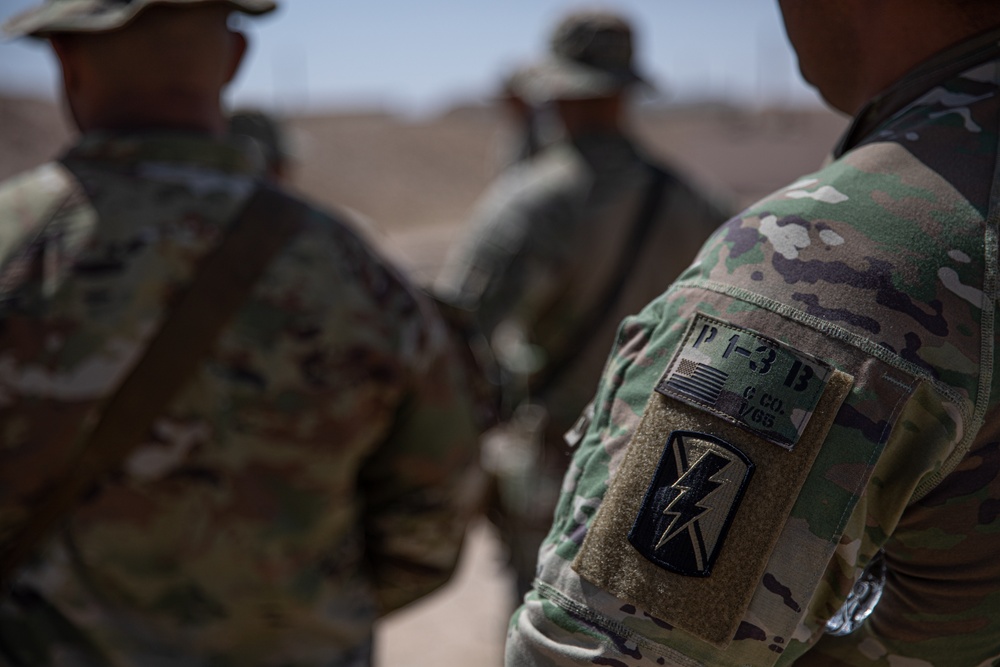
x=792 y=556
x=420 y=486
x=940 y=596
x=812 y=391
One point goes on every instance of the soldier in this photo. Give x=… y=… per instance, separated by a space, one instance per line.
x=271 y=139
x=311 y=471
x=523 y=136
x=817 y=389
x=561 y=247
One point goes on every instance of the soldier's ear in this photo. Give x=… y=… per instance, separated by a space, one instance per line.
x=237 y=50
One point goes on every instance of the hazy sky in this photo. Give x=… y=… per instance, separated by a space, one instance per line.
x=423 y=55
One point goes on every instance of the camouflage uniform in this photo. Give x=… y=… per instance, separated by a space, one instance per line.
x=314 y=473
x=544 y=245
x=544 y=242
x=819 y=386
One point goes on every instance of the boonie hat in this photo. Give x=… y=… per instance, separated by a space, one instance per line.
x=55 y=16
x=590 y=55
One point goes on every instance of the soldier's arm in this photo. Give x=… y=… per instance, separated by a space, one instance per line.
x=618 y=583
x=941 y=588
x=420 y=486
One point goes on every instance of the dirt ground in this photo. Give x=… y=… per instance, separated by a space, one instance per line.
x=415 y=182
x=464 y=623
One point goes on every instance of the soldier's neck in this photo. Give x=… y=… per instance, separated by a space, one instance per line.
x=203 y=116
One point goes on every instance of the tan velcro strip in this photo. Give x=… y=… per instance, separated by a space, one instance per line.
x=712 y=607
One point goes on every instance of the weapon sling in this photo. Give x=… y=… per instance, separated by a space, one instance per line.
x=222 y=282
x=602 y=307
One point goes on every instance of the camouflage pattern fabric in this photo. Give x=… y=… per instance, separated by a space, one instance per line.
x=313 y=475
x=543 y=245
x=878 y=274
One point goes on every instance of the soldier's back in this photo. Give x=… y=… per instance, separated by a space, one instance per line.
x=283 y=499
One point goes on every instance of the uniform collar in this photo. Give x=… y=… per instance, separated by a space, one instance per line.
x=231 y=156
x=937 y=69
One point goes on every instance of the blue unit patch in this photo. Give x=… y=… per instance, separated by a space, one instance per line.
x=691 y=502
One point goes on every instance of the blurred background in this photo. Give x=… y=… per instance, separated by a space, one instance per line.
x=391 y=102
x=391 y=110
x=421 y=58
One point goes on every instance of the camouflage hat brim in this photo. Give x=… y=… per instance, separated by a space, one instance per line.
x=95 y=16
x=564 y=79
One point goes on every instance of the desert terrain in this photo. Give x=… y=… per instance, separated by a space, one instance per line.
x=414 y=182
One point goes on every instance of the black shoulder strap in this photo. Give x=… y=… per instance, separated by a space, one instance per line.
x=643 y=222
x=221 y=284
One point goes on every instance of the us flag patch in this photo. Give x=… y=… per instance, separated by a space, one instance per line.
x=691 y=502
x=699 y=381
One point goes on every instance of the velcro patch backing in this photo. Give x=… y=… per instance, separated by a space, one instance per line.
x=708 y=607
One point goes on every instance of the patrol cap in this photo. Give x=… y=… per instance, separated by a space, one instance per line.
x=94 y=16
x=590 y=55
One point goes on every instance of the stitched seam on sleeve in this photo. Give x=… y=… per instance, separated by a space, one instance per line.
x=972 y=414
x=575 y=608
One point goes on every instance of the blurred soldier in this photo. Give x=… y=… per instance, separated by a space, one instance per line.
x=819 y=388
x=523 y=137
x=271 y=138
x=560 y=249
x=309 y=474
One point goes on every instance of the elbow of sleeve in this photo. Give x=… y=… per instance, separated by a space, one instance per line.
x=403 y=581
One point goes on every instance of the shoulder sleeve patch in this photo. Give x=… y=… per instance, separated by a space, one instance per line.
x=677 y=534
x=747 y=379
x=691 y=502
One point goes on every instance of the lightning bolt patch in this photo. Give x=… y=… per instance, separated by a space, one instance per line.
x=696 y=488
x=691 y=502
